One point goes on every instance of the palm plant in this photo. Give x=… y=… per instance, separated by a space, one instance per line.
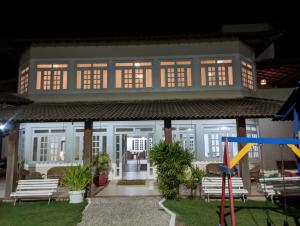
x=76 y=178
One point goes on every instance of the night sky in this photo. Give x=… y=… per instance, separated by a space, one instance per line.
x=17 y=29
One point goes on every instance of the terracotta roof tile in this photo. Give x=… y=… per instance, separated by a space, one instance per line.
x=145 y=110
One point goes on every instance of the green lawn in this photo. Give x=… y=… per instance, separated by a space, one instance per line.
x=39 y=213
x=251 y=213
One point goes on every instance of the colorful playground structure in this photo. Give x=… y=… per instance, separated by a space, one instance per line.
x=289 y=111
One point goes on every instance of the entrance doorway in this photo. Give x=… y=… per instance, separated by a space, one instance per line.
x=135 y=164
x=132 y=156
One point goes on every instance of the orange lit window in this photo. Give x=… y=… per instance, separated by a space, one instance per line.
x=23 y=82
x=216 y=72
x=133 y=75
x=247 y=75
x=52 y=76
x=91 y=76
x=175 y=74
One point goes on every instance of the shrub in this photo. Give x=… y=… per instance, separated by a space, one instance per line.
x=193 y=178
x=76 y=178
x=171 y=160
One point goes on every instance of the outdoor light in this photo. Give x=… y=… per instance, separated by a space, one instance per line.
x=225 y=128
x=137 y=64
x=2 y=126
x=263 y=82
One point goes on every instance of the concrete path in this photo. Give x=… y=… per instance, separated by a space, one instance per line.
x=131 y=211
x=112 y=189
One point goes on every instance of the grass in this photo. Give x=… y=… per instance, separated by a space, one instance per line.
x=58 y=213
x=251 y=213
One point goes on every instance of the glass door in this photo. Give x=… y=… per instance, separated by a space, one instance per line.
x=120 y=147
x=150 y=167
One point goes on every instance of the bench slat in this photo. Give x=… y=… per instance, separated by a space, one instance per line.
x=212 y=186
x=35 y=188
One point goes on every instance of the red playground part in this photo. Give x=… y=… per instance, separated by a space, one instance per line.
x=226 y=174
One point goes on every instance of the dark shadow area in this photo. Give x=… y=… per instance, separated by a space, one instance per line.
x=292 y=210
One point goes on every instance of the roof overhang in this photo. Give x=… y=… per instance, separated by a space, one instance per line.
x=144 y=110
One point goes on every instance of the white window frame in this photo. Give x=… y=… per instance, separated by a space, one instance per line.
x=247 y=73
x=185 y=134
x=98 y=143
x=176 y=73
x=23 y=81
x=44 y=141
x=217 y=72
x=133 y=75
x=254 y=153
x=209 y=143
x=52 y=77
x=92 y=76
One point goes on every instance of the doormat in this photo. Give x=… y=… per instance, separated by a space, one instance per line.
x=131 y=182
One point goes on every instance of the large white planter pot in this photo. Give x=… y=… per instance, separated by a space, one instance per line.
x=76 y=196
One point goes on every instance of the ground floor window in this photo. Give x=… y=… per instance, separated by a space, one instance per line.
x=48 y=145
x=99 y=144
x=185 y=135
x=213 y=145
x=252 y=132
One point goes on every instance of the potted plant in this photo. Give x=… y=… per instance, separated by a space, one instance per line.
x=102 y=166
x=76 y=179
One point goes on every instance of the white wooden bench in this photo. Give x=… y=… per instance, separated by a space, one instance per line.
x=274 y=186
x=37 y=188
x=212 y=186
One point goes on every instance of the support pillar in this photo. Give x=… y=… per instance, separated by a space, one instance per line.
x=87 y=142
x=87 y=148
x=168 y=130
x=12 y=161
x=244 y=162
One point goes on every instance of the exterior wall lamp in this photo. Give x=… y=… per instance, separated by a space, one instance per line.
x=263 y=82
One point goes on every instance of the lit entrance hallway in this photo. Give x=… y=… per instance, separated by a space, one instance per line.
x=135 y=169
x=135 y=159
x=133 y=211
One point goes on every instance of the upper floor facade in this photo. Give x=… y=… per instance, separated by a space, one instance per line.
x=198 y=69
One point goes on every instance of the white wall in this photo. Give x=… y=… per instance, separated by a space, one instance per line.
x=275 y=94
x=267 y=128
x=272 y=153
x=199 y=47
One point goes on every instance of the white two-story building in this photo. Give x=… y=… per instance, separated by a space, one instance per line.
x=130 y=93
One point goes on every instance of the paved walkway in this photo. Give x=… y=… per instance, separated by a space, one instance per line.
x=112 y=189
x=131 y=211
